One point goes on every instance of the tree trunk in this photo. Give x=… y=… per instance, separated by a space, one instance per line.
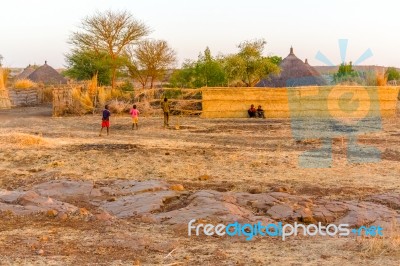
x=114 y=77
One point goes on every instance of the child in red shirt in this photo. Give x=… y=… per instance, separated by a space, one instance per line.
x=105 y=120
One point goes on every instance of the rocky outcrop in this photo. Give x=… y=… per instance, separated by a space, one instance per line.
x=156 y=201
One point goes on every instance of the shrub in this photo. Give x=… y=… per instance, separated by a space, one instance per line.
x=24 y=84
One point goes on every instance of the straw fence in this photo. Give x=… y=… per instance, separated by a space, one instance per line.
x=300 y=101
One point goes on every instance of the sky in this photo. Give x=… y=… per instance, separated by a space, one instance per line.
x=34 y=31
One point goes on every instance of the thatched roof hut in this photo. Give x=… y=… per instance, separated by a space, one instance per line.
x=26 y=72
x=294 y=72
x=47 y=75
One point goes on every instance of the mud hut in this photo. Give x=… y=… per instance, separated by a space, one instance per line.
x=47 y=75
x=294 y=72
x=26 y=72
x=5 y=102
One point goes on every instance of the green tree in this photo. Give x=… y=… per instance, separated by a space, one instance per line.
x=392 y=74
x=206 y=71
x=109 y=32
x=1 y=60
x=150 y=60
x=184 y=77
x=83 y=65
x=346 y=73
x=249 y=65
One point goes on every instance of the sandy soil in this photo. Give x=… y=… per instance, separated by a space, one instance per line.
x=237 y=154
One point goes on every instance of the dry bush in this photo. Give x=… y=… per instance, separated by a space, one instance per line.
x=82 y=102
x=381 y=79
x=23 y=84
x=92 y=86
x=118 y=107
x=24 y=140
x=47 y=94
x=4 y=73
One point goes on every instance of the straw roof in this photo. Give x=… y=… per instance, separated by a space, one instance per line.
x=294 y=72
x=26 y=72
x=47 y=75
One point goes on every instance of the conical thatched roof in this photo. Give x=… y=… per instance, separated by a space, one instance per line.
x=27 y=71
x=294 y=72
x=47 y=75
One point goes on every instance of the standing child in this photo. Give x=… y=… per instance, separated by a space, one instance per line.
x=135 y=117
x=166 y=108
x=105 y=120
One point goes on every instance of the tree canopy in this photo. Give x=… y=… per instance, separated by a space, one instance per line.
x=110 y=32
x=392 y=74
x=83 y=65
x=150 y=60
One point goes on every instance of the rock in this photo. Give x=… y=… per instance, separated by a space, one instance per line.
x=255 y=190
x=204 y=177
x=280 y=212
x=177 y=187
x=365 y=213
x=52 y=213
x=65 y=189
x=391 y=200
x=129 y=187
x=144 y=203
x=40 y=252
x=280 y=189
x=83 y=212
x=62 y=216
x=215 y=206
x=23 y=203
x=104 y=216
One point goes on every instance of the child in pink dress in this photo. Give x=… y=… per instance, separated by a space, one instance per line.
x=135 y=117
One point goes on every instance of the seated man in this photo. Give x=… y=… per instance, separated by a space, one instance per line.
x=252 y=111
x=260 y=112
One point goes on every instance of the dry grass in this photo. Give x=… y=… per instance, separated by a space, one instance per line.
x=24 y=140
x=82 y=102
x=3 y=78
x=23 y=84
x=118 y=107
x=389 y=243
x=381 y=79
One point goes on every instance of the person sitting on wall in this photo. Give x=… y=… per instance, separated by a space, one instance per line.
x=252 y=111
x=260 y=112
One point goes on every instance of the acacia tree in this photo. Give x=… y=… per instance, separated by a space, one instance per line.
x=249 y=65
x=111 y=32
x=150 y=60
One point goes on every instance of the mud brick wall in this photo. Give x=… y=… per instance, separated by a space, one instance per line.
x=299 y=101
x=24 y=97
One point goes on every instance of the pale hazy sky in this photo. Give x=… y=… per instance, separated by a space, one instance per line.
x=35 y=31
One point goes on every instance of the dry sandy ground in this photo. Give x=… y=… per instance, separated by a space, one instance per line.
x=237 y=154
